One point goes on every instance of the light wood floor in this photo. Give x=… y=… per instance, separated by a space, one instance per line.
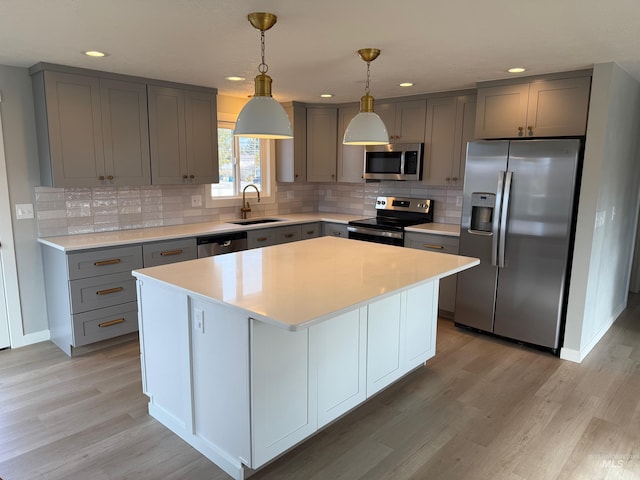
x=481 y=409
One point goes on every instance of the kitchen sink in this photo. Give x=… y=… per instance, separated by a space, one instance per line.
x=256 y=221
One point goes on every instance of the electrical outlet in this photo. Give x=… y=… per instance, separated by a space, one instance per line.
x=198 y=320
x=459 y=201
x=24 y=211
x=290 y=195
x=196 y=200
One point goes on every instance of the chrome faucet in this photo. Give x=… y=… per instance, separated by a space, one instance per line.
x=246 y=208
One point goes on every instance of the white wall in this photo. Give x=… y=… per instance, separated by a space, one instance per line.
x=608 y=211
x=23 y=175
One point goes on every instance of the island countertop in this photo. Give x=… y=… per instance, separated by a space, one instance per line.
x=299 y=284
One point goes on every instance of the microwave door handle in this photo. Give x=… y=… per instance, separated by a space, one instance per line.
x=503 y=222
x=402 y=167
x=495 y=228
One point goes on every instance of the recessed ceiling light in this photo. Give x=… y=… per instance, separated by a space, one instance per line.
x=95 y=53
x=406 y=84
x=516 y=70
x=326 y=95
x=234 y=78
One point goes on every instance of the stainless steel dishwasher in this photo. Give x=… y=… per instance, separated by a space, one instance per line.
x=211 y=245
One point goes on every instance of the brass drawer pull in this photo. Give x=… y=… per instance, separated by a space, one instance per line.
x=102 y=263
x=261 y=239
x=337 y=234
x=437 y=247
x=171 y=252
x=111 y=322
x=310 y=232
x=289 y=235
x=109 y=290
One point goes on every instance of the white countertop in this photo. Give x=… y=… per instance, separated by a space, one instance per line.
x=68 y=243
x=298 y=284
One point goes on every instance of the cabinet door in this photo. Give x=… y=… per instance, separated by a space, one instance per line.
x=202 y=137
x=322 y=130
x=410 y=121
x=439 y=145
x=283 y=393
x=465 y=132
x=167 y=135
x=384 y=335
x=420 y=324
x=350 y=157
x=502 y=111
x=125 y=127
x=387 y=113
x=558 y=107
x=338 y=350
x=75 y=129
x=291 y=154
x=310 y=230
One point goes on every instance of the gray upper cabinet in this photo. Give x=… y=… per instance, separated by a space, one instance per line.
x=541 y=108
x=322 y=132
x=350 y=157
x=291 y=154
x=405 y=121
x=91 y=131
x=183 y=136
x=450 y=125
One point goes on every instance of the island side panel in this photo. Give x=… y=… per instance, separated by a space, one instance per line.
x=420 y=314
x=220 y=359
x=164 y=343
x=283 y=390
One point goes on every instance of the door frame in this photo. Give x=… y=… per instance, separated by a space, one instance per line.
x=8 y=257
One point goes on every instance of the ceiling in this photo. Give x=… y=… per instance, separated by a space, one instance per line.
x=438 y=45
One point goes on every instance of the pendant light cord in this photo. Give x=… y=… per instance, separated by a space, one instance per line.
x=263 y=67
x=366 y=88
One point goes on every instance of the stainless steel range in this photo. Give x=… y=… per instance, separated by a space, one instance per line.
x=393 y=214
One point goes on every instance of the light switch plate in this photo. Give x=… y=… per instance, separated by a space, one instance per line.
x=290 y=195
x=198 y=320
x=459 y=201
x=196 y=200
x=24 y=211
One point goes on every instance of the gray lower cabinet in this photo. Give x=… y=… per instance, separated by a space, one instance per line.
x=265 y=237
x=91 y=131
x=439 y=244
x=183 y=135
x=172 y=251
x=335 y=230
x=91 y=295
x=310 y=230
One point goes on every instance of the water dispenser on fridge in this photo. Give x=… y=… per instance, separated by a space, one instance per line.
x=482 y=209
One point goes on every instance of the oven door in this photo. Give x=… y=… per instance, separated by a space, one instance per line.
x=375 y=235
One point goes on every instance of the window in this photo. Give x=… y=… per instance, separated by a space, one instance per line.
x=242 y=161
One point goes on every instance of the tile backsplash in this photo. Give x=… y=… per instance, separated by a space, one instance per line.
x=69 y=211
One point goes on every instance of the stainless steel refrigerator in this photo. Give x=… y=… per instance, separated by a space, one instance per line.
x=517 y=217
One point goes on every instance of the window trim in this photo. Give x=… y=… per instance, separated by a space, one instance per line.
x=268 y=177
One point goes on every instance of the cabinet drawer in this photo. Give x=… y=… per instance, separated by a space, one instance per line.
x=288 y=234
x=310 y=230
x=105 y=323
x=104 y=291
x=261 y=238
x=162 y=253
x=335 y=230
x=101 y=262
x=433 y=243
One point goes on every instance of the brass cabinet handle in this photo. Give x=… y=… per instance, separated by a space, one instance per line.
x=192 y=176
x=101 y=178
x=530 y=128
x=455 y=179
x=166 y=253
x=520 y=131
x=110 y=177
x=288 y=235
x=111 y=322
x=437 y=247
x=337 y=234
x=448 y=179
x=109 y=290
x=261 y=239
x=102 y=263
x=310 y=232
x=184 y=177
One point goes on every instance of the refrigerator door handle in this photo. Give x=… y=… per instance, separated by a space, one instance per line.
x=503 y=221
x=495 y=228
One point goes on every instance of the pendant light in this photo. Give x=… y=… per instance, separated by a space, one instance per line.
x=263 y=116
x=366 y=128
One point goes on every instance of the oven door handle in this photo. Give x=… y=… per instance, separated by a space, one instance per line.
x=374 y=232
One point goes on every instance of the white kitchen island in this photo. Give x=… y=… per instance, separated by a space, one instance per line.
x=247 y=354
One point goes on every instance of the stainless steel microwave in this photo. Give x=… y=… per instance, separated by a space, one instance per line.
x=395 y=161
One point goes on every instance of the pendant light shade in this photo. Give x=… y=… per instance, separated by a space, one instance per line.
x=366 y=128
x=263 y=116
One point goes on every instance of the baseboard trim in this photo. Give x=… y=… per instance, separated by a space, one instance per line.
x=577 y=356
